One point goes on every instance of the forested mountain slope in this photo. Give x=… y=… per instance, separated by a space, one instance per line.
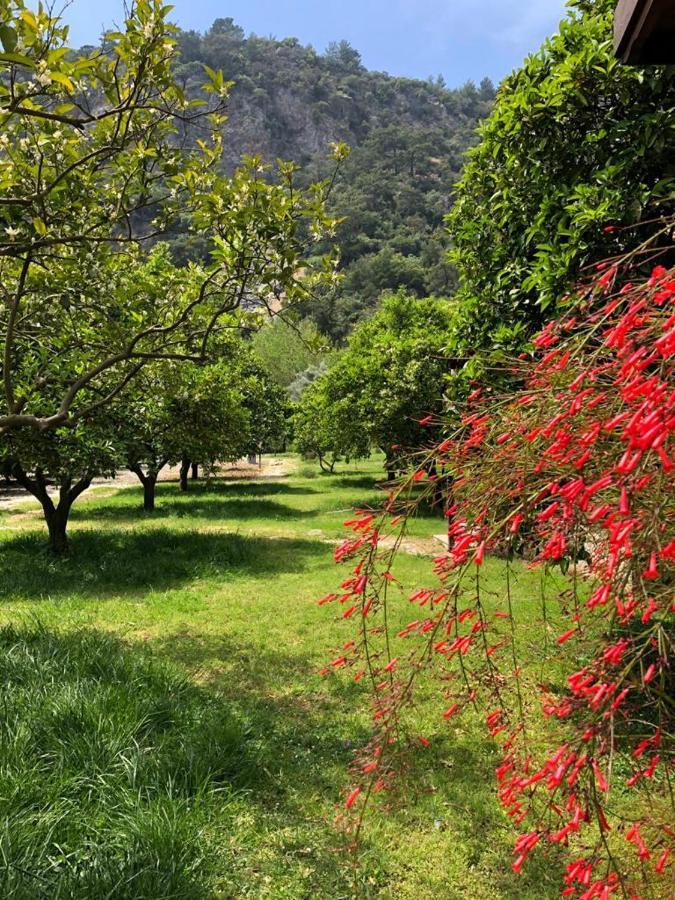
x=408 y=138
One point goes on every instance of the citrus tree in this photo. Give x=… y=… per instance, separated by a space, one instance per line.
x=93 y=167
x=192 y=414
x=573 y=166
x=57 y=465
x=326 y=430
x=391 y=376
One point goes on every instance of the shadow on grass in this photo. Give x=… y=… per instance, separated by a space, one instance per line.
x=307 y=731
x=135 y=753
x=111 y=563
x=124 y=771
x=197 y=506
x=288 y=715
x=347 y=482
x=241 y=487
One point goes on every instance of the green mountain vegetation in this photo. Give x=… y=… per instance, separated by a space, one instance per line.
x=408 y=141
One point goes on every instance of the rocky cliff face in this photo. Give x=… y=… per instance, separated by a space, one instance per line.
x=408 y=139
x=290 y=101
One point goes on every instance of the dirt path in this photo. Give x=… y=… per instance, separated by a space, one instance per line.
x=13 y=495
x=431 y=546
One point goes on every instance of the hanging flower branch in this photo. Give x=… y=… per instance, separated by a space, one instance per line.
x=574 y=471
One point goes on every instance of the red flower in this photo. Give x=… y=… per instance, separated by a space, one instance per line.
x=351 y=799
x=652 y=570
x=567 y=635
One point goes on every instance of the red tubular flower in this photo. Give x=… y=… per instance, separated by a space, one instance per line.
x=668 y=552
x=652 y=607
x=628 y=462
x=549 y=512
x=650 y=673
x=567 y=635
x=515 y=522
x=633 y=835
x=607 y=278
x=666 y=462
x=518 y=863
x=662 y=861
x=599 y=777
x=657 y=275
x=624 y=507
x=652 y=570
x=351 y=799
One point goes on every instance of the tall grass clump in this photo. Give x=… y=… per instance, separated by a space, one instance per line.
x=111 y=764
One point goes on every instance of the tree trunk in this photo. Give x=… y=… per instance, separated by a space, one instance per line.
x=56 y=515
x=149 y=483
x=326 y=467
x=389 y=464
x=195 y=471
x=184 y=471
x=57 y=523
x=149 y=493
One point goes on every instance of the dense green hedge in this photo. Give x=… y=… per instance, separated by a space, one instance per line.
x=577 y=142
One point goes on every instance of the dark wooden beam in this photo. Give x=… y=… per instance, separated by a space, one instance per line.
x=644 y=31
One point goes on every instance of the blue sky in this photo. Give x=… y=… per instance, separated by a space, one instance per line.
x=459 y=39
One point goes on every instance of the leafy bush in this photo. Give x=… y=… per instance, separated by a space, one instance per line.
x=391 y=373
x=574 y=165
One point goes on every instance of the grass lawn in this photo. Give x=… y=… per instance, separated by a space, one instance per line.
x=165 y=731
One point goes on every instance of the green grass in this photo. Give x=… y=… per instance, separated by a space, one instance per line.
x=166 y=732
x=111 y=764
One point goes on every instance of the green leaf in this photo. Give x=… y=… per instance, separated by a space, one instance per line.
x=39 y=226
x=29 y=19
x=63 y=80
x=18 y=59
x=8 y=38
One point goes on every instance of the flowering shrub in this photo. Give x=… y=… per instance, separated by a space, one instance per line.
x=577 y=465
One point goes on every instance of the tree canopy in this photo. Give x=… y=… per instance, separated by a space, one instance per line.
x=574 y=165
x=286 y=347
x=92 y=170
x=391 y=375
